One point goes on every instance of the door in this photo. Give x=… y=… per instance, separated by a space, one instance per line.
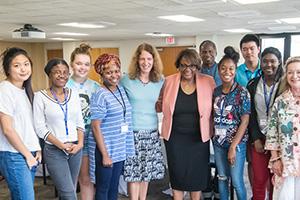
x=168 y=56
x=95 y=53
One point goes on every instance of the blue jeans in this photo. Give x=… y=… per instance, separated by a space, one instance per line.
x=107 y=179
x=19 y=178
x=234 y=172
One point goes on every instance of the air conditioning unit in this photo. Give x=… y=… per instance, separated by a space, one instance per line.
x=28 y=32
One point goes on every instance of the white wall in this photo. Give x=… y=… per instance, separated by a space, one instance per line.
x=127 y=47
x=221 y=42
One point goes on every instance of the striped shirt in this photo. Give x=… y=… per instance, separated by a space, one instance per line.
x=107 y=108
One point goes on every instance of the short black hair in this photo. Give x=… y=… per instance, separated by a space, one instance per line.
x=250 y=38
x=209 y=42
x=52 y=63
x=277 y=53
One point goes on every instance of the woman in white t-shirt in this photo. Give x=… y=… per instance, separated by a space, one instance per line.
x=19 y=145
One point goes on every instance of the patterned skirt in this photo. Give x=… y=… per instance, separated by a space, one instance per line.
x=148 y=162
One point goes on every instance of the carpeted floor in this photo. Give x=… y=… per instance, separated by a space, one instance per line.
x=47 y=192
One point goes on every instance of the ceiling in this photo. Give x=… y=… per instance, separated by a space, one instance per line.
x=131 y=19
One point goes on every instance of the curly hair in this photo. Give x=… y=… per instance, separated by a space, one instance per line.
x=104 y=59
x=156 y=71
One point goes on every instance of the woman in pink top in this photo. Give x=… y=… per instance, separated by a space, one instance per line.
x=186 y=103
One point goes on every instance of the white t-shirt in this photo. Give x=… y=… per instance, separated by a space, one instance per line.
x=15 y=103
x=49 y=117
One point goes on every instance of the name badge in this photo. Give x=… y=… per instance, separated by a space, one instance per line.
x=124 y=127
x=221 y=133
x=263 y=122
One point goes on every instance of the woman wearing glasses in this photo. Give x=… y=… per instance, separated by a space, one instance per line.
x=186 y=102
x=58 y=121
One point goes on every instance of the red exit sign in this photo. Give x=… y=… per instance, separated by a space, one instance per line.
x=170 y=40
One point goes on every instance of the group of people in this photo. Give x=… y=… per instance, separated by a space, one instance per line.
x=92 y=133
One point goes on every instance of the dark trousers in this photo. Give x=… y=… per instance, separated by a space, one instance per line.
x=107 y=179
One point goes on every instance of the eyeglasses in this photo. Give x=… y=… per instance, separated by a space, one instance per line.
x=60 y=73
x=184 y=67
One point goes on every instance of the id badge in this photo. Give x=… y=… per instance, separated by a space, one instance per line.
x=124 y=127
x=263 y=122
x=221 y=133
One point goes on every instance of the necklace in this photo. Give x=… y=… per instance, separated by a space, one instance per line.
x=143 y=82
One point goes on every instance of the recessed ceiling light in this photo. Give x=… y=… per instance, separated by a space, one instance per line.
x=282 y=28
x=82 y=25
x=70 y=34
x=254 y=1
x=158 y=34
x=63 y=39
x=240 y=14
x=238 y=30
x=181 y=18
x=295 y=20
x=263 y=22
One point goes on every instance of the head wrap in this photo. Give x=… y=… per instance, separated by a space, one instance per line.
x=104 y=59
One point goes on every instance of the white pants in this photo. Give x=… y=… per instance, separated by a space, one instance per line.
x=289 y=190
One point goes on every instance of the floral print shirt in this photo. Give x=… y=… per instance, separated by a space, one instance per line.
x=284 y=132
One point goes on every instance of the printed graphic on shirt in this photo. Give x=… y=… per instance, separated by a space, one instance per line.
x=228 y=110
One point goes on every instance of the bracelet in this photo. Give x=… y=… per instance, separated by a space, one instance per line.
x=272 y=160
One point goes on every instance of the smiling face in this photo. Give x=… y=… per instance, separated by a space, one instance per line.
x=227 y=71
x=20 y=69
x=187 y=70
x=145 y=62
x=59 y=75
x=250 y=51
x=81 y=66
x=269 y=65
x=293 y=75
x=111 y=74
x=208 y=54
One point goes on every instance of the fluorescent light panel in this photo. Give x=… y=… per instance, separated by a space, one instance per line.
x=254 y=1
x=238 y=30
x=82 y=25
x=240 y=14
x=157 y=34
x=63 y=39
x=282 y=28
x=295 y=20
x=181 y=18
x=70 y=34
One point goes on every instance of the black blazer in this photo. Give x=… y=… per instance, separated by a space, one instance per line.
x=253 y=126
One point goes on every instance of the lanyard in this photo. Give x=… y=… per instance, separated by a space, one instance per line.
x=267 y=97
x=122 y=104
x=224 y=101
x=249 y=74
x=65 y=111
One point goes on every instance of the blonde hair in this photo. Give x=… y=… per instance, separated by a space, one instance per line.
x=284 y=85
x=156 y=71
x=84 y=49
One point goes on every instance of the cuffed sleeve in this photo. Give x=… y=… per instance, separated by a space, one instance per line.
x=272 y=136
